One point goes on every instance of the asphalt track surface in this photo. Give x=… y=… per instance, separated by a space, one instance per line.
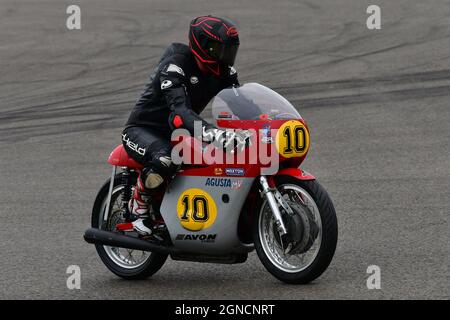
x=376 y=102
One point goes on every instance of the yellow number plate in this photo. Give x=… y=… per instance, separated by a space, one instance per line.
x=196 y=209
x=292 y=139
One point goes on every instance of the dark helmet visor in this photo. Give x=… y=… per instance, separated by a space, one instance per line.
x=223 y=53
x=229 y=53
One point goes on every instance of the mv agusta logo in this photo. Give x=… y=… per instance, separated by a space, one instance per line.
x=224 y=183
x=196 y=209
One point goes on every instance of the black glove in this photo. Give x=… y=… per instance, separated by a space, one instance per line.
x=227 y=139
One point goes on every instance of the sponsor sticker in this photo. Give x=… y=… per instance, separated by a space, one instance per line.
x=224 y=183
x=266 y=135
x=218 y=171
x=206 y=238
x=234 y=171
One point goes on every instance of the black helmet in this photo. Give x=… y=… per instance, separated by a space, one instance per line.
x=214 y=41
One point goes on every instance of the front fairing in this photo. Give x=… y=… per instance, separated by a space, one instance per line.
x=254 y=106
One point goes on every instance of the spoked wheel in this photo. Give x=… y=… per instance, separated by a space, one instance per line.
x=126 y=263
x=306 y=251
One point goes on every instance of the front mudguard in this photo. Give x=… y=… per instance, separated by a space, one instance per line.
x=296 y=173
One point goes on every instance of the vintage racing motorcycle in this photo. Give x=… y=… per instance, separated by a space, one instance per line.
x=218 y=213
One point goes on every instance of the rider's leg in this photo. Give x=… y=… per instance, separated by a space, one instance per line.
x=153 y=150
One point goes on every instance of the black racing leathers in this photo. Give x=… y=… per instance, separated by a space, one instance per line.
x=177 y=88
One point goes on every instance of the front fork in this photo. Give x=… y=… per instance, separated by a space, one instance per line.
x=108 y=200
x=275 y=200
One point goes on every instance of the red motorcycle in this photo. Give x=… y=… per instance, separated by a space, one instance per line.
x=219 y=212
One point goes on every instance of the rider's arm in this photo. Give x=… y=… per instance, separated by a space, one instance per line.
x=173 y=87
x=232 y=78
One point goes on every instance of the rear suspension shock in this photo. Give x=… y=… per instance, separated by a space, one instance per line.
x=126 y=181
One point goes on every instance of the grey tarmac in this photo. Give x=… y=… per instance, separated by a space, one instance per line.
x=376 y=101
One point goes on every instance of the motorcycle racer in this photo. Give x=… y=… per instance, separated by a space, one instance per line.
x=180 y=87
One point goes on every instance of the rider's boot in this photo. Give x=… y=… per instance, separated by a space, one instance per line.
x=139 y=206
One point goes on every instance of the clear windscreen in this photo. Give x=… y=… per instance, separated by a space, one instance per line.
x=252 y=101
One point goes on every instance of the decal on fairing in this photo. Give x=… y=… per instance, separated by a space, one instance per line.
x=196 y=209
x=224 y=183
x=204 y=238
x=234 y=171
x=292 y=139
x=266 y=135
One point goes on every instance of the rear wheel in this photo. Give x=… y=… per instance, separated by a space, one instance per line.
x=306 y=252
x=126 y=263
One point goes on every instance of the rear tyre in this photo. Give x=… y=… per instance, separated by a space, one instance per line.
x=125 y=263
x=311 y=201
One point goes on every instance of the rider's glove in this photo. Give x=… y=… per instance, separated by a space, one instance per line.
x=227 y=139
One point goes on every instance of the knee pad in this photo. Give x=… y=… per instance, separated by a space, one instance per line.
x=159 y=170
x=152 y=179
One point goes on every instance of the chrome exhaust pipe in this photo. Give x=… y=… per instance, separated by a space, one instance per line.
x=113 y=239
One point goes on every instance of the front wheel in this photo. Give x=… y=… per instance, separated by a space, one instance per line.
x=307 y=250
x=126 y=263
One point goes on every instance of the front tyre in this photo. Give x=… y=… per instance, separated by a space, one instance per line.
x=126 y=263
x=307 y=251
